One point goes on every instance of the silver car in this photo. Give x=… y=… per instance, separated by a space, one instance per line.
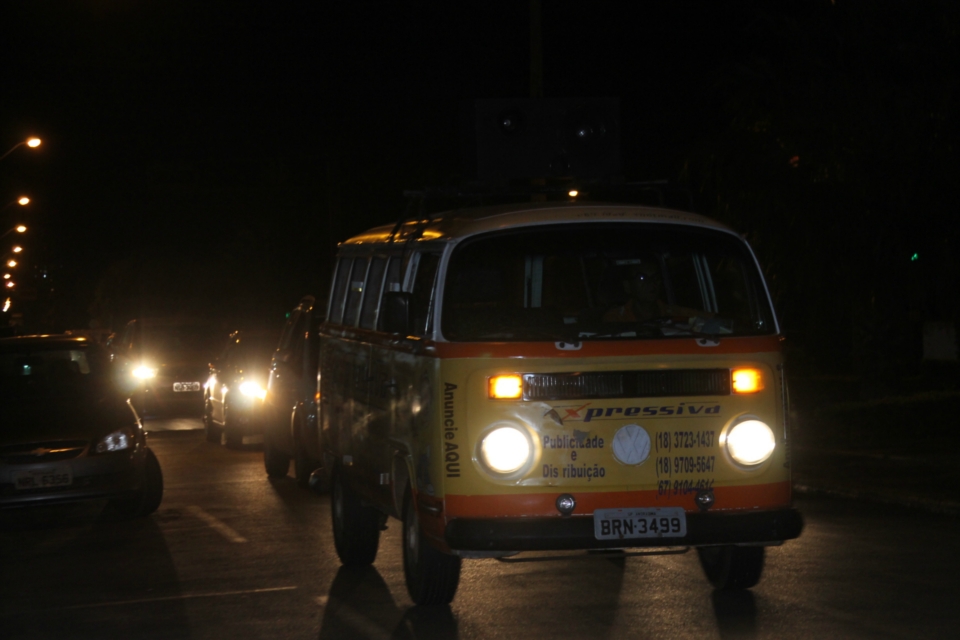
x=69 y=433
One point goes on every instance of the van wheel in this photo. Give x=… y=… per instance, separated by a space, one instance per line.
x=147 y=499
x=210 y=430
x=303 y=464
x=356 y=527
x=432 y=576
x=277 y=463
x=731 y=567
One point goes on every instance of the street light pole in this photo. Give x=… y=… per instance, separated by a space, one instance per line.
x=33 y=143
x=19 y=229
x=22 y=201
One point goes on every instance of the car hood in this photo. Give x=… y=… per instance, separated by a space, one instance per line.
x=178 y=359
x=77 y=417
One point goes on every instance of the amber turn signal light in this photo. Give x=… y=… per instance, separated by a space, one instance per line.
x=506 y=387
x=747 y=380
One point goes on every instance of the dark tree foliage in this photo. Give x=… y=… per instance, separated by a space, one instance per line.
x=838 y=153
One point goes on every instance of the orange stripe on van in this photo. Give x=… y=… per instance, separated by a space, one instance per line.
x=602 y=348
x=761 y=496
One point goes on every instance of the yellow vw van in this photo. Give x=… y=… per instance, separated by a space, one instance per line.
x=554 y=377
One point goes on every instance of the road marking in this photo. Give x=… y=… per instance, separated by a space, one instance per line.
x=366 y=628
x=185 y=596
x=216 y=524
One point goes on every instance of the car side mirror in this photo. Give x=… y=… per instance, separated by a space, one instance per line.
x=395 y=312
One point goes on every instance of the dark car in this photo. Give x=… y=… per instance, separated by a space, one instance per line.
x=290 y=408
x=164 y=362
x=236 y=387
x=69 y=433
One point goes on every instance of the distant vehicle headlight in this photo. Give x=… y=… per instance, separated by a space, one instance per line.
x=144 y=372
x=505 y=449
x=253 y=390
x=750 y=442
x=116 y=441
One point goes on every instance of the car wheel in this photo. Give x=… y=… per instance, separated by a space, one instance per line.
x=731 y=567
x=432 y=576
x=210 y=430
x=277 y=463
x=303 y=464
x=232 y=437
x=356 y=527
x=147 y=499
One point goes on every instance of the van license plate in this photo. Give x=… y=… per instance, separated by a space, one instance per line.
x=618 y=524
x=59 y=476
x=186 y=386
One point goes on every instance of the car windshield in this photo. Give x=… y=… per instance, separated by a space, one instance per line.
x=179 y=339
x=601 y=282
x=254 y=353
x=39 y=371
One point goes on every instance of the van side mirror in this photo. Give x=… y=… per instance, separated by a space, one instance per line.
x=395 y=312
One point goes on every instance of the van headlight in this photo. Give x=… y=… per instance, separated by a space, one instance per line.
x=750 y=442
x=117 y=441
x=505 y=450
x=252 y=390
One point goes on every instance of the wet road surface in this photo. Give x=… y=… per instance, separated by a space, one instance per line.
x=231 y=553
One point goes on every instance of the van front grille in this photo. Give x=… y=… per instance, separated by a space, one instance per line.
x=626 y=384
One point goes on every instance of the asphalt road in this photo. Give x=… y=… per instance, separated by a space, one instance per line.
x=231 y=554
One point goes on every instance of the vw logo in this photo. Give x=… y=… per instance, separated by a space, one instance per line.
x=631 y=444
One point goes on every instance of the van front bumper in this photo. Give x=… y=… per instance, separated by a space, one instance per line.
x=576 y=532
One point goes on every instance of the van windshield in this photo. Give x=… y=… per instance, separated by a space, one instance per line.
x=603 y=282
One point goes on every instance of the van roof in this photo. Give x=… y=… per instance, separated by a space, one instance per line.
x=461 y=223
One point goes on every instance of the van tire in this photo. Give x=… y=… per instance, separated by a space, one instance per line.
x=730 y=567
x=432 y=576
x=303 y=464
x=356 y=526
x=276 y=463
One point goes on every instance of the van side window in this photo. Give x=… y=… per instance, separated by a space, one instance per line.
x=423 y=293
x=288 y=330
x=340 y=289
x=358 y=278
x=371 y=299
x=393 y=280
x=299 y=335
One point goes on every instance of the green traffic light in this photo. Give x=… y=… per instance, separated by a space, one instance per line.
x=914 y=257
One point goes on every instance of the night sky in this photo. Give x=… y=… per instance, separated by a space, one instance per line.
x=234 y=143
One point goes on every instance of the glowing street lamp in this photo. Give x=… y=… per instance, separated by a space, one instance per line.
x=19 y=229
x=17 y=249
x=22 y=201
x=33 y=143
x=11 y=263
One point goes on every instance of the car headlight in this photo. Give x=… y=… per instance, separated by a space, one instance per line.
x=117 y=441
x=253 y=390
x=505 y=449
x=750 y=442
x=144 y=372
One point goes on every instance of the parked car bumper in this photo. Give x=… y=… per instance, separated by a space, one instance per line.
x=102 y=476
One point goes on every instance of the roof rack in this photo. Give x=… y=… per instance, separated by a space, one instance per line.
x=431 y=200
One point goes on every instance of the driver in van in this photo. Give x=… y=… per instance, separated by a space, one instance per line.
x=643 y=288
